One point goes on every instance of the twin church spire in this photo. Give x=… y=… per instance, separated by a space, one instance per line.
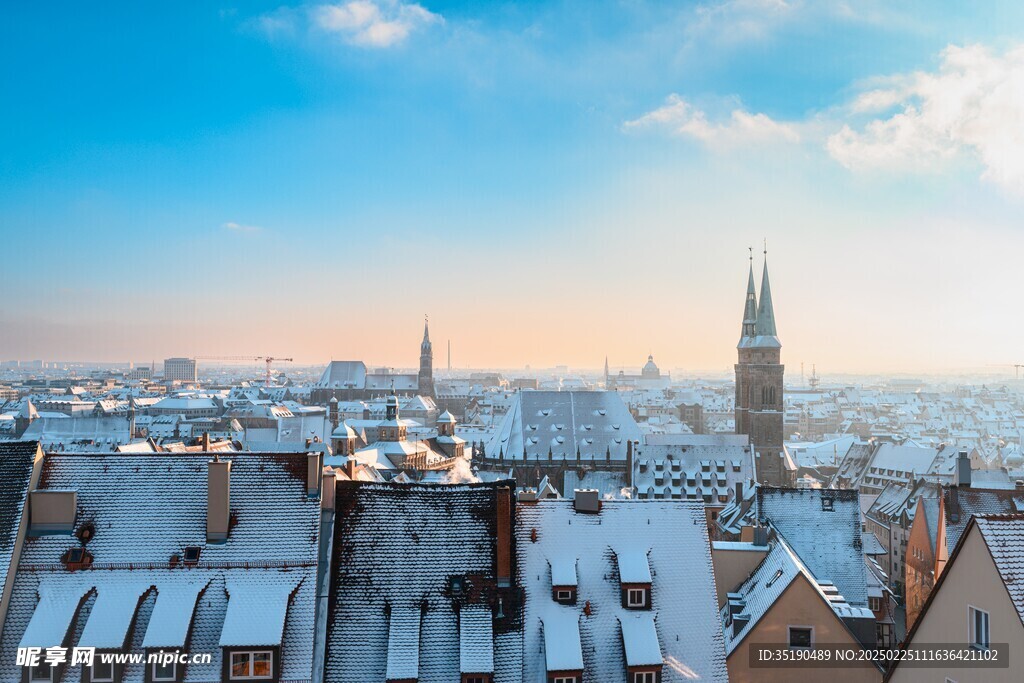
x=759 y=314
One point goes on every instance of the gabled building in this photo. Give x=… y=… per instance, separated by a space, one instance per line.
x=617 y=591
x=937 y=527
x=783 y=603
x=160 y=553
x=976 y=603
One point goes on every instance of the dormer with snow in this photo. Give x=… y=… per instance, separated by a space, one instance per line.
x=563 y=579
x=634 y=578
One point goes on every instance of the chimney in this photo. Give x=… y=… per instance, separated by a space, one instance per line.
x=314 y=474
x=954 y=503
x=206 y=442
x=218 y=500
x=761 y=535
x=503 y=496
x=739 y=491
x=350 y=468
x=52 y=511
x=963 y=470
x=330 y=479
x=587 y=500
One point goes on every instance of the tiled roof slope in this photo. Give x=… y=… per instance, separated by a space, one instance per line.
x=147 y=507
x=828 y=542
x=597 y=423
x=396 y=548
x=674 y=536
x=16 y=460
x=972 y=502
x=1004 y=536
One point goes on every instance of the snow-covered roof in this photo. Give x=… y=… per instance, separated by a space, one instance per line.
x=682 y=587
x=144 y=509
x=826 y=535
x=633 y=564
x=172 y=613
x=16 y=462
x=397 y=547
x=597 y=424
x=112 y=613
x=640 y=640
x=759 y=592
x=1004 y=537
x=476 y=640
x=562 y=648
x=256 y=610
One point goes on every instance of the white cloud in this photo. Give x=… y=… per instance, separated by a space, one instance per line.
x=373 y=23
x=972 y=105
x=679 y=117
x=239 y=228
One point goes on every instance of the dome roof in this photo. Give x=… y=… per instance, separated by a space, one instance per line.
x=343 y=430
x=446 y=417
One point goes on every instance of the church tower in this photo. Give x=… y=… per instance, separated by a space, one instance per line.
x=426 y=375
x=759 y=382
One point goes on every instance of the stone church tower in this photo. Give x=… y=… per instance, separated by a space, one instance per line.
x=759 y=374
x=426 y=375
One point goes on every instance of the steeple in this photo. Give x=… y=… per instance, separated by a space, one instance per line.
x=606 y=369
x=765 y=326
x=749 y=306
x=425 y=346
x=426 y=374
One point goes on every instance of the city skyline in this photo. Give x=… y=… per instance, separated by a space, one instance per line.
x=552 y=183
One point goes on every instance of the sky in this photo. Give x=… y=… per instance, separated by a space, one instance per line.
x=552 y=182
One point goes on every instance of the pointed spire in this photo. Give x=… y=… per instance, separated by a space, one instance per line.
x=426 y=328
x=765 y=326
x=750 y=304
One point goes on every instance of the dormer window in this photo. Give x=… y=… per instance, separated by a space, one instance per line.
x=43 y=672
x=636 y=597
x=163 y=672
x=565 y=595
x=826 y=504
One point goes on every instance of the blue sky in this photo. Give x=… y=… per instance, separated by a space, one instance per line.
x=551 y=181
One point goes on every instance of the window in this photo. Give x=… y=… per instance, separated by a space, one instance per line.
x=800 y=636
x=978 y=628
x=636 y=597
x=875 y=604
x=564 y=596
x=43 y=672
x=102 y=672
x=565 y=679
x=645 y=677
x=164 y=672
x=826 y=504
x=251 y=665
x=191 y=555
x=474 y=679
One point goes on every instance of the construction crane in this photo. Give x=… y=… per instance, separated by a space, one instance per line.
x=1016 y=367
x=266 y=359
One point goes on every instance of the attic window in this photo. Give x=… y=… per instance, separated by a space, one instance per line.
x=778 y=573
x=191 y=555
x=457 y=584
x=826 y=504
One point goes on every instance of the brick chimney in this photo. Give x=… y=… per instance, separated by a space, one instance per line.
x=503 y=496
x=218 y=500
x=206 y=442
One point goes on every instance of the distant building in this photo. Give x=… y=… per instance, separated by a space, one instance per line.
x=180 y=370
x=348 y=380
x=650 y=377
